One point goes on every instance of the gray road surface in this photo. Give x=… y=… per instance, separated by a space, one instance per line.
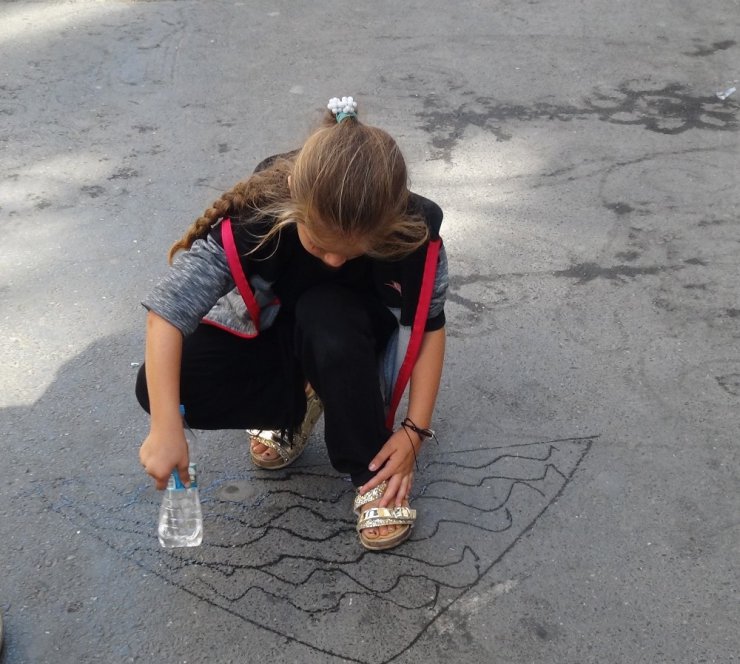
x=582 y=505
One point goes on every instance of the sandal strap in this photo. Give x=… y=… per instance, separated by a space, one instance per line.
x=274 y=438
x=275 y=441
x=386 y=516
x=314 y=408
x=369 y=496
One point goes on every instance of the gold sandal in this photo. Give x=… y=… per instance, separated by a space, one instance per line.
x=287 y=452
x=374 y=517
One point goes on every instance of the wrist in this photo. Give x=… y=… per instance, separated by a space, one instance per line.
x=414 y=438
x=415 y=429
x=168 y=426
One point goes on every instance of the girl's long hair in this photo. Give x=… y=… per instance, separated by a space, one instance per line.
x=348 y=182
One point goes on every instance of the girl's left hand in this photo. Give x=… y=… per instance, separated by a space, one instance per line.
x=396 y=461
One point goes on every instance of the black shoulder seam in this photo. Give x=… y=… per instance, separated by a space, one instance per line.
x=269 y=161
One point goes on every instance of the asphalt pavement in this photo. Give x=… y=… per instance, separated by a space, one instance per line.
x=582 y=503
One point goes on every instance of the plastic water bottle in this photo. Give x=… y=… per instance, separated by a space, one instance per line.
x=180 y=516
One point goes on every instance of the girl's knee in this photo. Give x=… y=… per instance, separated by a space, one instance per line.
x=336 y=351
x=333 y=329
x=331 y=310
x=323 y=299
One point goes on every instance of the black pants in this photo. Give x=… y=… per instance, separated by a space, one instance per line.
x=333 y=340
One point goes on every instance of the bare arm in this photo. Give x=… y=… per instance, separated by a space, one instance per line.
x=425 y=378
x=396 y=458
x=186 y=293
x=165 y=448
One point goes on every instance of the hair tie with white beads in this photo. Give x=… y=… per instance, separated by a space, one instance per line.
x=343 y=108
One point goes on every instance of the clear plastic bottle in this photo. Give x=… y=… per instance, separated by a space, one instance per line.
x=180 y=516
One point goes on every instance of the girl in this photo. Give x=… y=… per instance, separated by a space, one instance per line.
x=317 y=283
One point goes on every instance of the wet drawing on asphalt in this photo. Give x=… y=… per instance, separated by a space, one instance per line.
x=280 y=550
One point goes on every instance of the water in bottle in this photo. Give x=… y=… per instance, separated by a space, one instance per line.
x=180 y=516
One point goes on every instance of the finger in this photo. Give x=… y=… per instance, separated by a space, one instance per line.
x=381 y=457
x=378 y=479
x=390 y=492
x=160 y=478
x=403 y=491
x=184 y=475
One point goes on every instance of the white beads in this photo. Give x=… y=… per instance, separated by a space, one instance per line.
x=343 y=105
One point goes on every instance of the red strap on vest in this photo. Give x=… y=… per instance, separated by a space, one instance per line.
x=417 y=329
x=237 y=272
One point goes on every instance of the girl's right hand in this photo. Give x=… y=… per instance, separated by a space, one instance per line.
x=163 y=452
